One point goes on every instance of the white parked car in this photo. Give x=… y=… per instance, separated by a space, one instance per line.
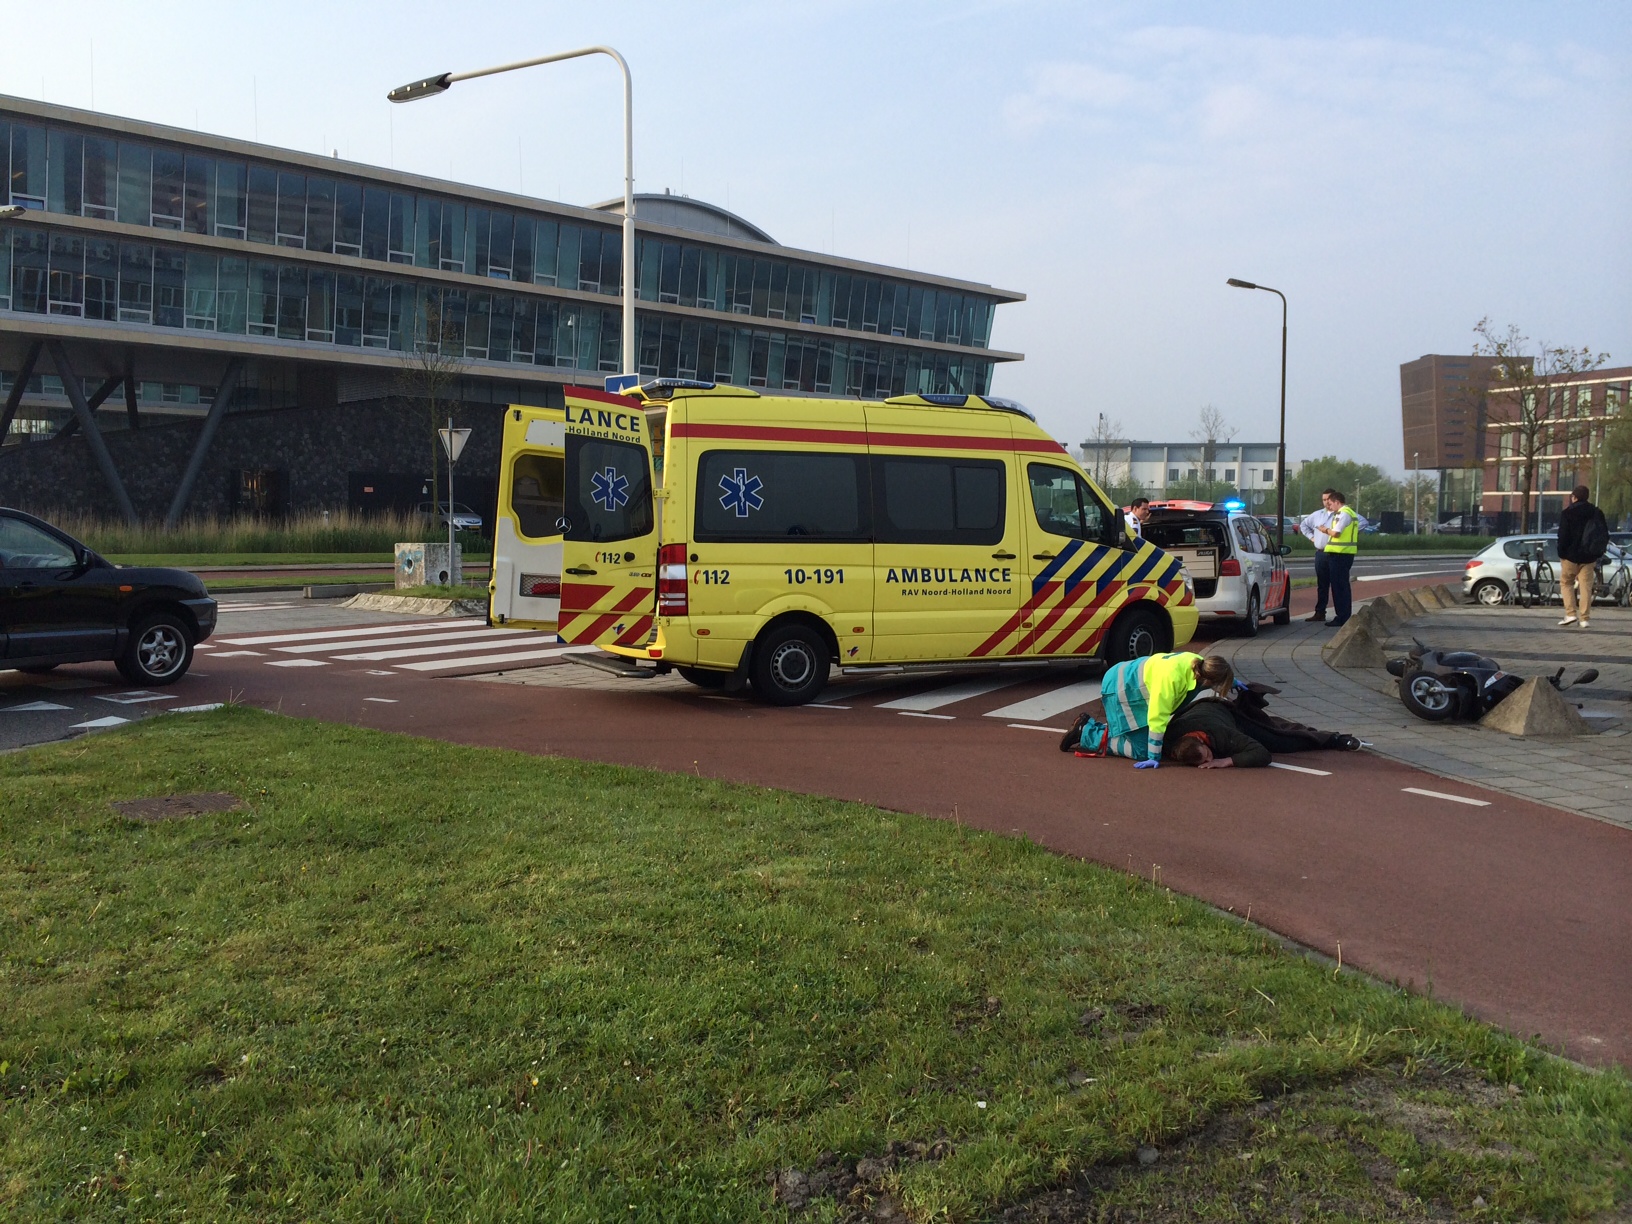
x=1238 y=574
x=1490 y=576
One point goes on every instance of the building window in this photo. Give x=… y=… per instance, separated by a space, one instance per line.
x=1172 y=473
x=1269 y=475
x=1229 y=475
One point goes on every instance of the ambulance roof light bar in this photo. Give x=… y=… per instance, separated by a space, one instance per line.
x=942 y=399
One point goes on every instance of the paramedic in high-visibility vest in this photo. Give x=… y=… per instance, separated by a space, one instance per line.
x=1342 y=533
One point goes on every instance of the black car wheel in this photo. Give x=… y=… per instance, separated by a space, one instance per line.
x=1429 y=697
x=1255 y=614
x=1283 y=614
x=790 y=665
x=160 y=650
x=1137 y=633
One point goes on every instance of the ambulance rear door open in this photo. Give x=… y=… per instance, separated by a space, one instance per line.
x=526 y=583
x=609 y=531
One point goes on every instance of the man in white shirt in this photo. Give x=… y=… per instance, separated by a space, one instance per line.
x=1315 y=527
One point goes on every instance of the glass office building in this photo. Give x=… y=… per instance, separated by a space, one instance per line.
x=151 y=230
x=173 y=263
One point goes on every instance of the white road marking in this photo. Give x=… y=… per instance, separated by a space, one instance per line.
x=483 y=660
x=342 y=635
x=818 y=706
x=416 y=639
x=238 y=654
x=499 y=641
x=382 y=700
x=1417 y=790
x=936 y=698
x=1056 y=701
x=1319 y=773
x=1412 y=574
x=271 y=607
x=1035 y=727
x=96 y=723
x=921 y=714
x=198 y=709
x=135 y=697
x=34 y=707
x=296 y=663
x=376 y=672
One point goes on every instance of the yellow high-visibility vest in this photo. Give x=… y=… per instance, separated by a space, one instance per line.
x=1347 y=540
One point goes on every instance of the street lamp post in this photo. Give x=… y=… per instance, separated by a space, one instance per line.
x=431 y=86
x=1280 y=453
x=1416 y=492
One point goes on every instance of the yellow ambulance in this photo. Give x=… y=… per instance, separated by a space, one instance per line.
x=763 y=539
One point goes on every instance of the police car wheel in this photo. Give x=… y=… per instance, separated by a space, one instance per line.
x=790 y=665
x=1255 y=613
x=1283 y=614
x=702 y=677
x=1137 y=633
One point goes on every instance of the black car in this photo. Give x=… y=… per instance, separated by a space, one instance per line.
x=61 y=603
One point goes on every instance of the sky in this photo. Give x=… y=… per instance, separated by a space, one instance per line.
x=1399 y=171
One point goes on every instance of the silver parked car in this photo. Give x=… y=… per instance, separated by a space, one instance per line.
x=1489 y=577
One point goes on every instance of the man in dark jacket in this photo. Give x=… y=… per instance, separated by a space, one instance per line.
x=1583 y=538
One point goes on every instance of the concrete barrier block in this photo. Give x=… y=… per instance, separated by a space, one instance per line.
x=1358 y=644
x=1536 y=709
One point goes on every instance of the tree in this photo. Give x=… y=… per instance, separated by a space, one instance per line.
x=1105 y=438
x=1536 y=416
x=1211 y=429
x=428 y=373
x=1366 y=487
x=1615 y=471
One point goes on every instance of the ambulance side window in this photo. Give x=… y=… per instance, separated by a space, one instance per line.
x=537 y=487
x=1064 y=503
x=608 y=490
x=939 y=501
x=780 y=497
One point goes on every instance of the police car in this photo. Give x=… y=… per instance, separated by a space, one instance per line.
x=1240 y=576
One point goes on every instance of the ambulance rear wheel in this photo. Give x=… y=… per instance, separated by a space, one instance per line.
x=1137 y=633
x=702 y=677
x=790 y=665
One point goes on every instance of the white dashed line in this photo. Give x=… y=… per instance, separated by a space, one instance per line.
x=818 y=706
x=1035 y=727
x=238 y=654
x=382 y=700
x=921 y=714
x=34 y=707
x=1319 y=773
x=196 y=709
x=1417 y=790
x=138 y=697
x=483 y=660
x=98 y=723
x=296 y=663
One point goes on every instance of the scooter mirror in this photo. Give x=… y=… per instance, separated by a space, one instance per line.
x=1588 y=676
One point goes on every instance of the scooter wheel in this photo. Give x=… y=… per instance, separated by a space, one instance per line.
x=1429 y=697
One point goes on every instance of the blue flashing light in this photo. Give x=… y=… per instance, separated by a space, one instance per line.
x=676 y=384
x=943 y=400
x=1235 y=504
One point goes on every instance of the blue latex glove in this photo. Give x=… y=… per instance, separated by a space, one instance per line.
x=1146 y=764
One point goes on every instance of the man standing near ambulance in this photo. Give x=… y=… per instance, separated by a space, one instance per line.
x=1335 y=534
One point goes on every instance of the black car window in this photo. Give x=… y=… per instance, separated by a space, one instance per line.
x=25 y=546
x=608 y=490
x=1064 y=504
x=939 y=501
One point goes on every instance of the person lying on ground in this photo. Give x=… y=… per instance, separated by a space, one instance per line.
x=1206 y=735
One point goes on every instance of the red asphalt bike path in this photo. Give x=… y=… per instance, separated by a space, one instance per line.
x=1515 y=911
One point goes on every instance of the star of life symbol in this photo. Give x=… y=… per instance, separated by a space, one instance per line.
x=742 y=492
x=608 y=490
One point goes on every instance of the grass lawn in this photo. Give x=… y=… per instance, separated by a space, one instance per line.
x=415 y=981
x=443 y=591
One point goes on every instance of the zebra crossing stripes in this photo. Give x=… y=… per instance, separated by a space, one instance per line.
x=1047 y=705
x=447 y=646
x=922 y=703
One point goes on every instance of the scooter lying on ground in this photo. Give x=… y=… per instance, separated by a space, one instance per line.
x=1438 y=685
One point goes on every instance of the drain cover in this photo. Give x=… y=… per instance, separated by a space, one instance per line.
x=177 y=807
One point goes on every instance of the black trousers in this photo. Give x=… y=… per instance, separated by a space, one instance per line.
x=1323 y=582
x=1338 y=566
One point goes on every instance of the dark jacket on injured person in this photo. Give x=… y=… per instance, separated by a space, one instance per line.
x=1216 y=720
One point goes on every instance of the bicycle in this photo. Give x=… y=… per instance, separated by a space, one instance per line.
x=1615 y=586
x=1534 y=582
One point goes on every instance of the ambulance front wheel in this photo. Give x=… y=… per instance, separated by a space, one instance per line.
x=790 y=665
x=1137 y=633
